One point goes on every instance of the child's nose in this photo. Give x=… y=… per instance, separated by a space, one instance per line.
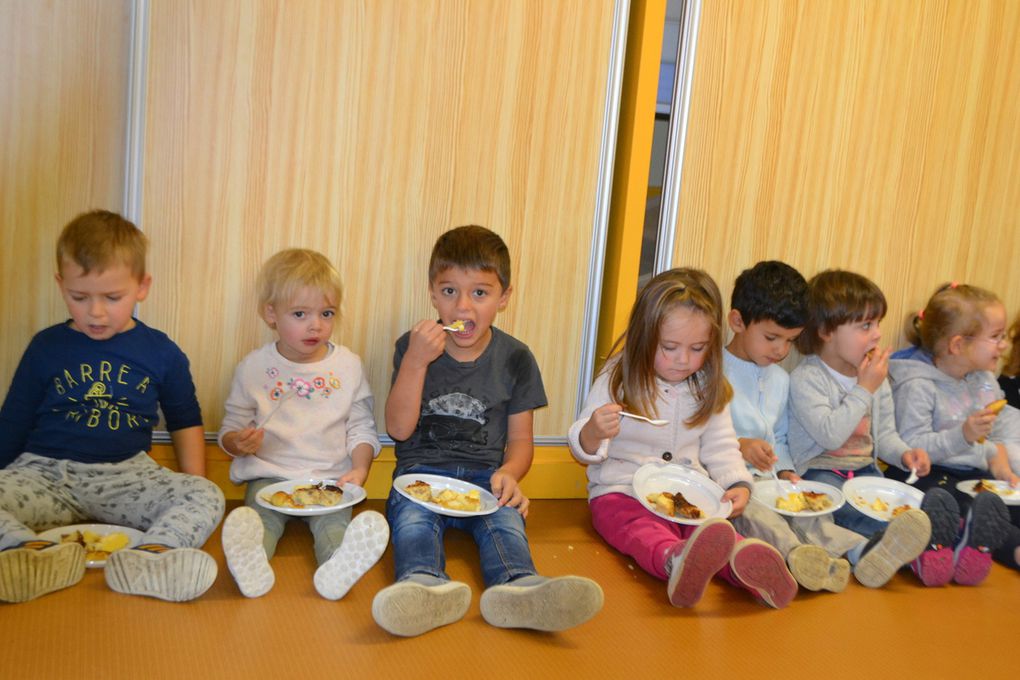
x=96 y=307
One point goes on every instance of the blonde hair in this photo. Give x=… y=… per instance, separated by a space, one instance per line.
x=100 y=239
x=632 y=376
x=1011 y=367
x=287 y=272
x=953 y=309
x=836 y=297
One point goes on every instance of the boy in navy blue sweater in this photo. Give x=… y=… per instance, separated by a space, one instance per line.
x=76 y=425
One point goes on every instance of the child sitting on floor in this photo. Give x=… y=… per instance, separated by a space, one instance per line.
x=300 y=408
x=76 y=425
x=769 y=310
x=668 y=365
x=461 y=406
x=942 y=389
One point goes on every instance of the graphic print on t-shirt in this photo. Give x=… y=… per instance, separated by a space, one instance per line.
x=454 y=417
x=99 y=403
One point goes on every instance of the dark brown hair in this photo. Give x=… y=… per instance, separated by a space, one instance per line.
x=632 y=376
x=471 y=247
x=836 y=297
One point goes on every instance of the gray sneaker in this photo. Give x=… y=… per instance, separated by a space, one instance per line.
x=902 y=541
x=364 y=543
x=246 y=558
x=176 y=575
x=410 y=608
x=540 y=603
x=27 y=573
x=814 y=569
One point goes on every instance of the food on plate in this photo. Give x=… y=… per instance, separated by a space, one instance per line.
x=899 y=509
x=878 y=505
x=322 y=493
x=985 y=485
x=447 y=498
x=674 y=504
x=801 y=501
x=97 y=546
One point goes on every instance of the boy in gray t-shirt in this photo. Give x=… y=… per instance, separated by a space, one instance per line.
x=461 y=407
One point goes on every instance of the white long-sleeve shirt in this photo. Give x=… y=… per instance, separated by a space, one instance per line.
x=315 y=429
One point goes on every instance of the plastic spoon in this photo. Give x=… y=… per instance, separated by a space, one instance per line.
x=779 y=482
x=455 y=327
x=286 y=395
x=653 y=421
x=913 y=476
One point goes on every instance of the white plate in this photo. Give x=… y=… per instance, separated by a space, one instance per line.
x=1009 y=495
x=766 y=492
x=134 y=536
x=490 y=504
x=698 y=489
x=352 y=494
x=861 y=492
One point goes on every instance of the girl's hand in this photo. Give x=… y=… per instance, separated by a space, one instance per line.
x=1000 y=469
x=427 y=342
x=758 y=453
x=355 y=477
x=978 y=425
x=790 y=476
x=873 y=369
x=246 y=442
x=918 y=461
x=604 y=422
x=507 y=491
x=739 y=496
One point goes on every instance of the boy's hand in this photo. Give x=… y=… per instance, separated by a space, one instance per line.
x=427 y=342
x=246 y=442
x=506 y=489
x=873 y=369
x=758 y=453
x=978 y=425
x=790 y=476
x=917 y=460
x=739 y=496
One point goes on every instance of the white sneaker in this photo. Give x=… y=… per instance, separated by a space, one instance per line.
x=176 y=575
x=364 y=543
x=408 y=608
x=540 y=603
x=246 y=558
x=27 y=573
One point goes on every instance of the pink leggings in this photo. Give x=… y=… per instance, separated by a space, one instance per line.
x=629 y=527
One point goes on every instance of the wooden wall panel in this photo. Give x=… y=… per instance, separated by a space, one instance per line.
x=364 y=130
x=63 y=93
x=882 y=137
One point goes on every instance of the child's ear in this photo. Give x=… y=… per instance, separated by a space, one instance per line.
x=505 y=297
x=269 y=316
x=143 y=287
x=955 y=344
x=736 y=321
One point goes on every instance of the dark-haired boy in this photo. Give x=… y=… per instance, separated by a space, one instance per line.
x=461 y=406
x=768 y=311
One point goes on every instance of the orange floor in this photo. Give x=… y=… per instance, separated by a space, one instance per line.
x=901 y=631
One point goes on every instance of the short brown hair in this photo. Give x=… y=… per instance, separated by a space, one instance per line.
x=836 y=297
x=285 y=273
x=632 y=377
x=99 y=239
x=953 y=309
x=471 y=247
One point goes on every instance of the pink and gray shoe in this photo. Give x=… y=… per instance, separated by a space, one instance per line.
x=763 y=570
x=935 y=565
x=691 y=564
x=985 y=529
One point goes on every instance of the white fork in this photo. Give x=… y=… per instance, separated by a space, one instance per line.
x=653 y=421
x=286 y=395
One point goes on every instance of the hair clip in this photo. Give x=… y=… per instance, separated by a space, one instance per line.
x=954 y=284
x=920 y=315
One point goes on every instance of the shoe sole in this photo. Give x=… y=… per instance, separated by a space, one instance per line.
x=26 y=573
x=246 y=557
x=364 y=543
x=814 y=569
x=904 y=540
x=555 y=604
x=944 y=513
x=987 y=525
x=177 y=575
x=762 y=568
x=408 y=609
x=706 y=551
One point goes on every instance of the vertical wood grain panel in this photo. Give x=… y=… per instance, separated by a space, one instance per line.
x=881 y=137
x=63 y=92
x=364 y=130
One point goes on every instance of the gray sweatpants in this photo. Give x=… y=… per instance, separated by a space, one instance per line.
x=327 y=530
x=39 y=493
x=785 y=534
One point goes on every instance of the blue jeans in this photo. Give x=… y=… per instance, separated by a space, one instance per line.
x=417 y=534
x=849 y=517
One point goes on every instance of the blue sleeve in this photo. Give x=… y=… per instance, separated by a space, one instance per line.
x=17 y=416
x=177 y=397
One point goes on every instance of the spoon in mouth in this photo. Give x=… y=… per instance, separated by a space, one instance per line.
x=653 y=421
x=455 y=327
